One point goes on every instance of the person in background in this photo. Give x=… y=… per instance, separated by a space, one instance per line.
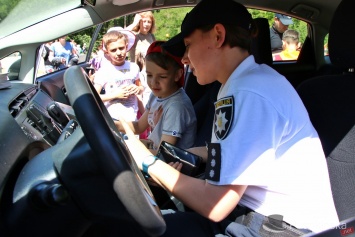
x=84 y=49
x=63 y=51
x=266 y=173
x=78 y=49
x=141 y=62
x=98 y=58
x=143 y=99
x=169 y=111
x=326 y=49
x=48 y=56
x=144 y=27
x=291 y=46
x=74 y=57
x=119 y=79
x=279 y=26
x=101 y=58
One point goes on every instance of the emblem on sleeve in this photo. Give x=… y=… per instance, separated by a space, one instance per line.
x=224 y=111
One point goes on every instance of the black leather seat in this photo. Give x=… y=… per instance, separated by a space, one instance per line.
x=261 y=45
x=330 y=101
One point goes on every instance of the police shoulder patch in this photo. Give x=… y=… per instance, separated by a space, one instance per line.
x=223 y=117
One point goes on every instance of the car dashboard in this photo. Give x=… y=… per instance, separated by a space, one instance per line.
x=31 y=121
x=48 y=171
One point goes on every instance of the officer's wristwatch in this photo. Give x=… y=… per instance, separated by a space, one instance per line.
x=148 y=161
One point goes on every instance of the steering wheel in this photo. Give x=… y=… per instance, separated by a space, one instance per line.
x=115 y=160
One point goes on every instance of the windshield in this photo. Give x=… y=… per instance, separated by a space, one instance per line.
x=16 y=15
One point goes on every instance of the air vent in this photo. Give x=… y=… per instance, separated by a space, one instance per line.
x=21 y=101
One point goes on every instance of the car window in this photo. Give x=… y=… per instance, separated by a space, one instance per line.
x=289 y=48
x=82 y=40
x=62 y=52
x=290 y=37
x=326 y=51
x=10 y=65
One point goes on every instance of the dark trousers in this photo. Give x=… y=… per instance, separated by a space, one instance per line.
x=242 y=222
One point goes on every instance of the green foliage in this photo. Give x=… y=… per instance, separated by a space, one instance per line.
x=6 y=6
x=81 y=39
x=168 y=22
x=262 y=14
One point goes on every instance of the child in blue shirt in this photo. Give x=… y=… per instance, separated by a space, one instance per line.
x=169 y=111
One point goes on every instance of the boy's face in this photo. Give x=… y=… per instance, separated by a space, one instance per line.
x=117 y=51
x=163 y=83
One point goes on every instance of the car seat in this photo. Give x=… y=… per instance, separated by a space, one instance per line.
x=330 y=101
x=261 y=45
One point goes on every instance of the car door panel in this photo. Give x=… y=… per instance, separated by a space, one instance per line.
x=53 y=85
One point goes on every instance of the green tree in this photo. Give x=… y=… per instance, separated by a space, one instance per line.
x=6 y=6
x=168 y=22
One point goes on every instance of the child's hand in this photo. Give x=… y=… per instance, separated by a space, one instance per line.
x=128 y=131
x=133 y=89
x=176 y=165
x=122 y=93
x=137 y=19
